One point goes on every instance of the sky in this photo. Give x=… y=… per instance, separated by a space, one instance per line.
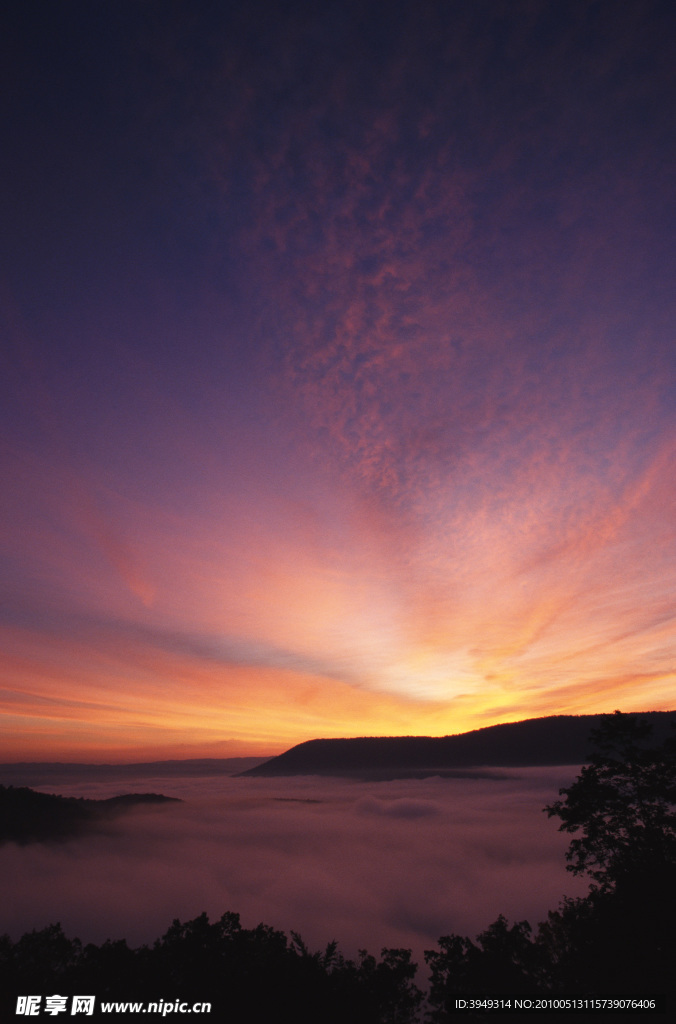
x=337 y=374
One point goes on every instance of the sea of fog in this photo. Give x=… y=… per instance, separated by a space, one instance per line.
x=371 y=864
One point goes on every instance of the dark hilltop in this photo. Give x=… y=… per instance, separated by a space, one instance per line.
x=556 y=740
x=30 y=817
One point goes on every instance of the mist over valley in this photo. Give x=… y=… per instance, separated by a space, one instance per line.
x=388 y=863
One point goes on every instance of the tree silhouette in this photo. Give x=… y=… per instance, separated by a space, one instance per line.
x=621 y=937
x=622 y=810
x=252 y=974
x=503 y=959
x=624 y=805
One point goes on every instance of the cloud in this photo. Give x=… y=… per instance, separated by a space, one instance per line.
x=398 y=808
x=106 y=633
x=375 y=429
x=393 y=863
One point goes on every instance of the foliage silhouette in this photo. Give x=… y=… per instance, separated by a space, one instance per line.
x=621 y=937
x=247 y=974
x=624 y=805
x=503 y=959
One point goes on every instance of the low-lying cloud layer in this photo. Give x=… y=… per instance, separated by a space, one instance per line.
x=395 y=863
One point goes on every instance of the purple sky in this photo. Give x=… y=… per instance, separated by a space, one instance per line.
x=337 y=380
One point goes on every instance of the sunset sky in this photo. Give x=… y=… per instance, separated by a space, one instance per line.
x=337 y=375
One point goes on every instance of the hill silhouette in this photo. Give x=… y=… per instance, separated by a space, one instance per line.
x=555 y=740
x=30 y=817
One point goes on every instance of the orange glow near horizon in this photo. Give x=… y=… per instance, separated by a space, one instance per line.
x=391 y=634
x=337 y=391
x=285 y=630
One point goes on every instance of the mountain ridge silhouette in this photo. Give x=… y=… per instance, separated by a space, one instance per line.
x=546 y=741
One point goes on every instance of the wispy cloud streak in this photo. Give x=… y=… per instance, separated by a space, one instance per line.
x=356 y=389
